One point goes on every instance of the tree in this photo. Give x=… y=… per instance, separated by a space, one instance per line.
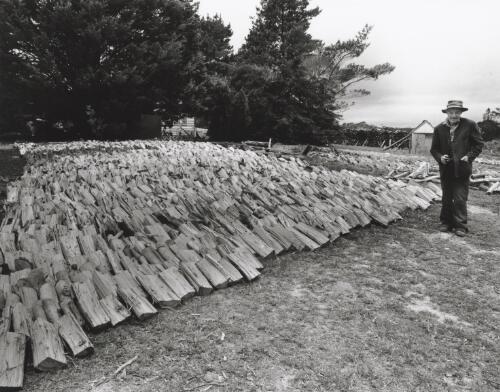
x=285 y=102
x=112 y=60
x=239 y=115
x=217 y=108
x=332 y=65
x=278 y=37
x=11 y=115
x=490 y=130
x=215 y=39
x=214 y=59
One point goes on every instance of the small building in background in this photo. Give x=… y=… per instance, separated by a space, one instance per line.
x=421 y=138
x=185 y=128
x=492 y=115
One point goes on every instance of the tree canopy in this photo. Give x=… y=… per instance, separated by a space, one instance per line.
x=279 y=35
x=91 y=68
x=95 y=66
x=295 y=85
x=333 y=65
x=490 y=130
x=283 y=101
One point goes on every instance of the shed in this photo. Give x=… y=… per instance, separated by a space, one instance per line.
x=185 y=128
x=421 y=138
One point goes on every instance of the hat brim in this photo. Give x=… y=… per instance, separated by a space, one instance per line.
x=455 y=107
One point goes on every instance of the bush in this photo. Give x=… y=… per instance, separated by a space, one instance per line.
x=490 y=130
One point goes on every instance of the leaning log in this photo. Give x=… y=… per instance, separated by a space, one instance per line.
x=48 y=353
x=89 y=306
x=177 y=283
x=73 y=335
x=12 y=352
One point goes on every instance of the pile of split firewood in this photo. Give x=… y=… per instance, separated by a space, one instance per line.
x=95 y=233
x=486 y=175
x=483 y=177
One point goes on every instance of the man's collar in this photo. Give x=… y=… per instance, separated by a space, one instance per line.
x=447 y=123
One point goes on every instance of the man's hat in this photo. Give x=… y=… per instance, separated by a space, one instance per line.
x=455 y=105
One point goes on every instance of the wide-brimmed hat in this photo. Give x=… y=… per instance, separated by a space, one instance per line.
x=455 y=104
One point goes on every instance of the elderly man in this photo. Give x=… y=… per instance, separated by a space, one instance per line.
x=455 y=144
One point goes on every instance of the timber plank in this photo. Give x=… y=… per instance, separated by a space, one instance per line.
x=73 y=335
x=309 y=243
x=268 y=239
x=21 y=320
x=235 y=276
x=177 y=283
x=115 y=310
x=196 y=278
x=316 y=235
x=12 y=353
x=287 y=237
x=246 y=268
x=214 y=275
x=159 y=292
x=140 y=306
x=89 y=305
x=48 y=353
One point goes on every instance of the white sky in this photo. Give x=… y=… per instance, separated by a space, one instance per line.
x=442 y=49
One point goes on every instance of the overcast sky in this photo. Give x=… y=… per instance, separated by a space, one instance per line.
x=442 y=49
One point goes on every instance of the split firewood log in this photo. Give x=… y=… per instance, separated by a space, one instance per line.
x=73 y=335
x=48 y=352
x=116 y=226
x=12 y=352
x=89 y=306
x=133 y=296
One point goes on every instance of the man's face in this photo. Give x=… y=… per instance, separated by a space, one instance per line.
x=453 y=115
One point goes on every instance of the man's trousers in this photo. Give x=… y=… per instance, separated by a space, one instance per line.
x=454 y=201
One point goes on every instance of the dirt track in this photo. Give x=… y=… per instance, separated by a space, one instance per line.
x=399 y=309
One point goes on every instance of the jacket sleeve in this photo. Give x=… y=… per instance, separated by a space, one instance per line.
x=476 y=142
x=436 y=147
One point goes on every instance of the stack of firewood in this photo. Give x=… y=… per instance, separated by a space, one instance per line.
x=378 y=161
x=486 y=175
x=96 y=233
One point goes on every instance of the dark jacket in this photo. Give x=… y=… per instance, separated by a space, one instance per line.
x=467 y=141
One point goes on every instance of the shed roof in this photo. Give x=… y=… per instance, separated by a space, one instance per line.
x=424 y=127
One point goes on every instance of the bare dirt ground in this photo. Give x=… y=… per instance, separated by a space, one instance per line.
x=404 y=308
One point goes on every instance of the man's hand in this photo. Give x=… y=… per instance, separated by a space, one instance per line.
x=445 y=159
x=465 y=158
